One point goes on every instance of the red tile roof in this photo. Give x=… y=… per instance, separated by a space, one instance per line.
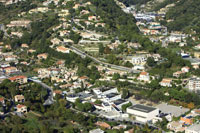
x=17 y=77
x=143 y=73
x=84 y=77
x=1 y=99
x=103 y=124
x=57 y=91
x=20 y=106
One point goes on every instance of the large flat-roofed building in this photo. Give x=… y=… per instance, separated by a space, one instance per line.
x=143 y=113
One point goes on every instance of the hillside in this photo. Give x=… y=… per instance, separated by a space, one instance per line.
x=185 y=15
x=134 y=2
x=119 y=23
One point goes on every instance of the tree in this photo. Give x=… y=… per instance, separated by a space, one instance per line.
x=151 y=62
x=162 y=124
x=74 y=36
x=98 y=102
x=157 y=96
x=125 y=93
x=125 y=106
x=154 y=84
x=116 y=76
x=128 y=64
x=1 y=35
x=101 y=48
x=107 y=50
x=70 y=130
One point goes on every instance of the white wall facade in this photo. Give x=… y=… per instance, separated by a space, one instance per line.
x=143 y=116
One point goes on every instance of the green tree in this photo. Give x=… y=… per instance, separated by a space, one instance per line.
x=1 y=35
x=125 y=93
x=116 y=76
x=74 y=36
x=101 y=48
x=107 y=50
x=125 y=106
x=151 y=62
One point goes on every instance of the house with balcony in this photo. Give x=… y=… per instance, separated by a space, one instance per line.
x=166 y=82
x=144 y=76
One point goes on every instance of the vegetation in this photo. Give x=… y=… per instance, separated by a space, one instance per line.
x=185 y=16
x=134 y=2
x=55 y=119
x=85 y=107
x=163 y=4
x=10 y=11
x=125 y=106
x=120 y=24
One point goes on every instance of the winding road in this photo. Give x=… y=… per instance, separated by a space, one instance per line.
x=83 y=55
x=49 y=100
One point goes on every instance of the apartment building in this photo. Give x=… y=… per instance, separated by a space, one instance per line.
x=194 y=84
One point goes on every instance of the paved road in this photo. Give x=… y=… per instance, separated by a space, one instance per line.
x=49 y=100
x=83 y=54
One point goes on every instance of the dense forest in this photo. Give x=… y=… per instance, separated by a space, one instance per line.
x=119 y=23
x=185 y=15
x=133 y=2
x=9 y=11
x=163 y=4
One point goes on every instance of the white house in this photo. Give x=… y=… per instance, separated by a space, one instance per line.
x=92 y=18
x=72 y=97
x=177 y=74
x=185 y=69
x=96 y=131
x=175 y=126
x=143 y=113
x=19 y=98
x=63 y=49
x=21 y=108
x=10 y=58
x=136 y=60
x=144 y=76
x=166 y=82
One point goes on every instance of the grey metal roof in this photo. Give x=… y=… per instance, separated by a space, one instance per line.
x=142 y=108
x=119 y=101
x=111 y=95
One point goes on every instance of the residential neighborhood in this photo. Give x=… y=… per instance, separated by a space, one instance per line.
x=84 y=66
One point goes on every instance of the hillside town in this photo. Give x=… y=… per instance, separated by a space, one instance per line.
x=62 y=62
